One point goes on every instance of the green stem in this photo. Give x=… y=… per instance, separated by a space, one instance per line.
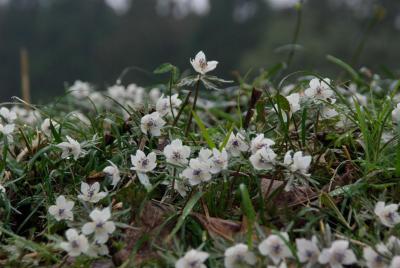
x=296 y=33
x=196 y=94
x=185 y=102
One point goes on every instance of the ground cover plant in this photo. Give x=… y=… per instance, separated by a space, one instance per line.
x=294 y=170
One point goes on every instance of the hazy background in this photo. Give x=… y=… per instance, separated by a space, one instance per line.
x=94 y=40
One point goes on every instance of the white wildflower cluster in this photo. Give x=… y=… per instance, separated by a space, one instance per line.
x=7 y=125
x=276 y=248
x=95 y=232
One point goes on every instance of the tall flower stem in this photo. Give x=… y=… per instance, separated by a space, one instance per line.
x=196 y=94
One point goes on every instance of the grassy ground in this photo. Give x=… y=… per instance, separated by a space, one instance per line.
x=346 y=129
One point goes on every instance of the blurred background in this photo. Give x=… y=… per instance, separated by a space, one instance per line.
x=94 y=40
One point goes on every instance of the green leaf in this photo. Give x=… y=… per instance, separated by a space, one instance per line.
x=165 y=68
x=249 y=211
x=345 y=66
x=204 y=131
x=283 y=103
x=327 y=200
x=185 y=213
x=226 y=139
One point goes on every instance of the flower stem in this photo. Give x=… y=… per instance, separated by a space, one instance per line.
x=196 y=94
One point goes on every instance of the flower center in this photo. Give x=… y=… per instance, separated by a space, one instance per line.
x=196 y=172
x=75 y=244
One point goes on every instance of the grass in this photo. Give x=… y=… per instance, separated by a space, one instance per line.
x=355 y=163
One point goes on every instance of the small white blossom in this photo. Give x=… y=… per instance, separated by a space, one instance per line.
x=142 y=163
x=236 y=144
x=201 y=65
x=238 y=255
x=197 y=172
x=113 y=173
x=154 y=95
x=100 y=225
x=96 y=249
x=319 y=89
x=152 y=123
x=396 y=113
x=263 y=159
x=275 y=247
x=373 y=259
x=163 y=105
x=176 y=153
x=7 y=131
x=297 y=163
x=72 y=147
x=7 y=115
x=395 y=262
x=45 y=127
x=91 y=193
x=387 y=214
x=80 y=89
x=259 y=142
x=307 y=251
x=2 y=189
x=294 y=102
x=118 y=93
x=219 y=161
x=76 y=245
x=62 y=210
x=192 y=259
x=337 y=255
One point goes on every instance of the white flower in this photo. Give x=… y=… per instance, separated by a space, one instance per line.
x=396 y=113
x=176 y=153
x=91 y=193
x=219 y=161
x=238 y=255
x=319 y=89
x=72 y=147
x=392 y=243
x=192 y=259
x=294 y=102
x=181 y=186
x=328 y=113
x=7 y=131
x=142 y=163
x=298 y=163
x=45 y=127
x=373 y=259
x=307 y=251
x=197 y=172
x=113 y=173
x=76 y=245
x=2 y=189
x=7 y=115
x=163 y=105
x=154 y=95
x=96 y=249
x=100 y=225
x=259 y=142
x=80 y=89
x=282 y=265
x=117 y=92
x=62 y=210
x=338 y=254
x=97 y=98
x=236 y=144
x=395 y=262
x=263 y=159
x=136 y=94
x=152 y=123
x=387 y=214
x=275 y=247
x=201 y=65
